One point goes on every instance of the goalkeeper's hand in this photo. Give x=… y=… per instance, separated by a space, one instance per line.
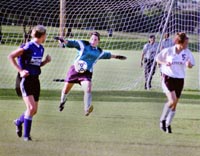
x=120 y=57
x=59 y=39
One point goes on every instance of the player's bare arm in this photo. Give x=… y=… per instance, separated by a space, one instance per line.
x=189 y=64
x=47 y=60
x=12 y=56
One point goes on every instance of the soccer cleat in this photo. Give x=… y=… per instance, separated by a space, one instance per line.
x=168 y=129
x=18 y=128
x=163 y=125
x=90 y=109
x=62 y=104
x=27 y=138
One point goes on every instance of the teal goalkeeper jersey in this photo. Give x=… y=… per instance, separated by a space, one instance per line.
x=88 y=53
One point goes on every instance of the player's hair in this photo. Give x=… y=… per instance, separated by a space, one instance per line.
x=96 y=34
x=38 y=31
x=180 y=38
x=152 y=36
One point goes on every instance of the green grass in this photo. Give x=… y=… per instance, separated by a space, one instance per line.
x=122 y=124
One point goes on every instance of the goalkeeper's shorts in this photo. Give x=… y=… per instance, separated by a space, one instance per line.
x=74 y=77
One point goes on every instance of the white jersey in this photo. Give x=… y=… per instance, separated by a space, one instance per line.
x=167 y=43
x=178 y=61
x=149 y=50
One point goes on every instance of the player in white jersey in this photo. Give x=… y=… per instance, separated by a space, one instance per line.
x=166 y=42
x=148 y=55
x=174 y=61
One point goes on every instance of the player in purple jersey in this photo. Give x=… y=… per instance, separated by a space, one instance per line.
x=174 y=61
x=28 y=66
x=90 y=53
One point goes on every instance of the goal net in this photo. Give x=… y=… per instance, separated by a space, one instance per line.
x=125 y=27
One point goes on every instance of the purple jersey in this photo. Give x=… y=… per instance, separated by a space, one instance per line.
x=31 y=58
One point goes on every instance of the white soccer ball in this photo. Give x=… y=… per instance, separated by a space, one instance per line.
x=80 y=66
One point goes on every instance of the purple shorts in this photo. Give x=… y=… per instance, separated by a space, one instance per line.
x=173 y=84
x=75 y=77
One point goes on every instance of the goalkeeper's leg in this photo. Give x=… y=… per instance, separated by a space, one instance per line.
x=88 y=108
x=64 y=93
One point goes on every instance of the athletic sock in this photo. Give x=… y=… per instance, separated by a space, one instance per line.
x=87 y=100
x=63 y=97
x=27 y=126
x=20 y=120
x=165 y=112
x=170 y=117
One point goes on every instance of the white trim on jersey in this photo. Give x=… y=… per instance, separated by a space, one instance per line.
x=23 y=91
x=80 y=51
x=98 y=57
x=91 y=70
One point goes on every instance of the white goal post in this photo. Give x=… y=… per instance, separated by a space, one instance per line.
x=124 y=25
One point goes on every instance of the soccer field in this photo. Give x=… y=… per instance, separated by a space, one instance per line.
x=122 y=124
x=125 y=120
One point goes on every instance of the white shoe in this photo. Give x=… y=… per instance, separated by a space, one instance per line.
x=27 y=138
x=90 y=109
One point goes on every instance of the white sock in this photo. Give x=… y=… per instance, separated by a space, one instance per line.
x=170 y=117
x=165 y=112
x=63 y=97
x=87 y=100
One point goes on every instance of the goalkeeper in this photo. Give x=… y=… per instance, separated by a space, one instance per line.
x=90 y=53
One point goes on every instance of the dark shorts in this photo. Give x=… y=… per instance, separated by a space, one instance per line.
x=30 y=86
x=75 y=77
x=173 y=84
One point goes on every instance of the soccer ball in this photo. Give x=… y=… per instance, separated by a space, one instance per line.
x=80 y=66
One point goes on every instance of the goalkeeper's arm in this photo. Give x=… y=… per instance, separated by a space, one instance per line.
x=120 y=57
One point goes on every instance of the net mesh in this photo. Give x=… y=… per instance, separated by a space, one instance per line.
x=124 y=26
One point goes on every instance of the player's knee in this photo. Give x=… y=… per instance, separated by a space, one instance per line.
x=33 y=111
x=172 y=104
